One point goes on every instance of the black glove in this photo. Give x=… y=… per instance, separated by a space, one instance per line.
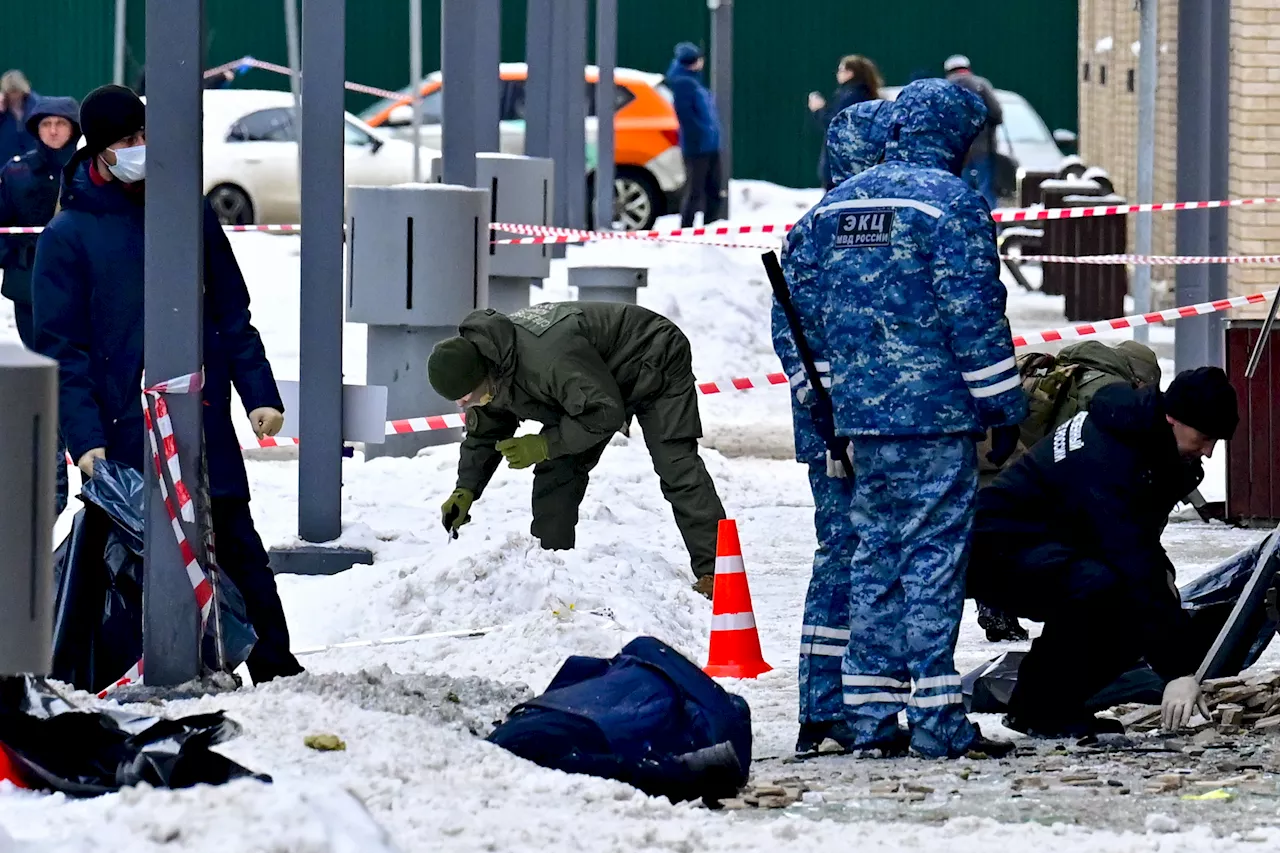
x=1004 y=440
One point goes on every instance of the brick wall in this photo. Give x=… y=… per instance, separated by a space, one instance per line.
x=1109 y=33
x=1255 y=141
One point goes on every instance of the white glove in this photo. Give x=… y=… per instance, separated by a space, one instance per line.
x=1182 y=698
x=835 y=468
x=266 y=421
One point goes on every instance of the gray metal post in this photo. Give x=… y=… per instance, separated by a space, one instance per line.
x=606 y=59
x=1219 y=121
x=457 y=48
x=320 y=353
x=294 y=49
x=28 y=429
x=1148 y=60
x=722 y=86
x=415 y=80
x=1191 y=341
x=174 y=252
x=486 y=58
x=569 y=112
x=539 y=34
x=121 y=29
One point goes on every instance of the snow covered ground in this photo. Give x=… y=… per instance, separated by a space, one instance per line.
x=421 y=773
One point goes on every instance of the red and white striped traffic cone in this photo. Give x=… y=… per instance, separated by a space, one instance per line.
x=735 y=642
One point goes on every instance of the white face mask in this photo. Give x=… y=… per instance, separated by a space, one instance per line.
x=131 y=164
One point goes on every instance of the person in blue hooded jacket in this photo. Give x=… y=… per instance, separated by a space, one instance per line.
x=921 y=364
x=29 y=185
x=88 y=288
x=855 y=141
x=699 y=134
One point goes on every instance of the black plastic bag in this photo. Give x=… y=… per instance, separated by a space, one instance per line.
x=647 y=717
x=97 y=633
x=1209 y=599
x=84 y=753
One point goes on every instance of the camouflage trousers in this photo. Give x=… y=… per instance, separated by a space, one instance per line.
x=913 y=505
x=826 y=606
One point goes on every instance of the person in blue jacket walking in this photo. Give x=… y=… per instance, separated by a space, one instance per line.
x=855 y=141
x=16 y=102
x=921 y=363
x=88 y=289
x=699 y=134
x=29 y=185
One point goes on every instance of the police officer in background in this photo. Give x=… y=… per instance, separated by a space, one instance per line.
x=921 y=364
x=855 y=142
x=1069 y=535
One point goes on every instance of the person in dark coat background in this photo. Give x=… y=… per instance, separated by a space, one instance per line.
x=699 y=134
x=1069 y=535
x=29 y=187
x=859 y=80
x=16 y=100
x=980 y=164
x=88 y=288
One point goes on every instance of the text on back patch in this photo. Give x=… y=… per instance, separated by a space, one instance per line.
x=865 y=229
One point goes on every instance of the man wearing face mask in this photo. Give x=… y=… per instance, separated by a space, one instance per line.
x=88 y=288
x=582 y=369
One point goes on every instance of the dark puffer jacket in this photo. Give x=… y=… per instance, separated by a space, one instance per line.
x=1103 y=484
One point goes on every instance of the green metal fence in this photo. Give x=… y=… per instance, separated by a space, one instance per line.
x=784 y=49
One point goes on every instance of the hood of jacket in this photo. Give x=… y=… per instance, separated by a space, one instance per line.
x=856 y=138
x=678 y=71
x=934 y=124
x=494 y=335
x=79 y=192
x=67 y=108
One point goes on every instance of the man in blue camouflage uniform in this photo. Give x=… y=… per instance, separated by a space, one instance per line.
x=855 y=142
x=921 y=363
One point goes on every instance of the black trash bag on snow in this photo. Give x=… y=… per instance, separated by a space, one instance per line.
x=83 y=753
x=97 y=634
x=1209 y=599
x=647 y=717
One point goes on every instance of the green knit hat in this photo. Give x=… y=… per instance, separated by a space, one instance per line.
x=455 y=368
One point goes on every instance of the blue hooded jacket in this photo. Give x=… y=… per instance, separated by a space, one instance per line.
x=695 y=110
x=88 y=288
x=906 y=262
x=29 y=185
x=855 y=142
x=16 y=137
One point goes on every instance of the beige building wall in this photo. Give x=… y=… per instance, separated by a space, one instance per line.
x=1108 y=79
x=1109 y=31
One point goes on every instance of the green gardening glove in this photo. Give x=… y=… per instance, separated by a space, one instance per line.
x=524 y=451
x=455 y=511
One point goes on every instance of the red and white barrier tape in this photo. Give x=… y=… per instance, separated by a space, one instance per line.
x=1085 y=330
x=1147 y=260
x=1028 y=214
x=747 y=383
x=160 y=435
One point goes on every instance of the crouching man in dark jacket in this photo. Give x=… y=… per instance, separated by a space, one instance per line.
x=582 y=370
x=1070 y=536
x=88 y=288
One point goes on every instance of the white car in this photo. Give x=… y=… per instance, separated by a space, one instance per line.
x=251 y=156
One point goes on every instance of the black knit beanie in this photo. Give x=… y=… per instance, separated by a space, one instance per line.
x=109 y=114
x=455 y=368
x=1203 y=399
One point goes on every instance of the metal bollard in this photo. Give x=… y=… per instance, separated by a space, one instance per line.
x=28 y=430
x=608 y=284
x=418 y=258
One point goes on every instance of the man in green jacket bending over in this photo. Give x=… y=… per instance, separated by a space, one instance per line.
x=582 y=370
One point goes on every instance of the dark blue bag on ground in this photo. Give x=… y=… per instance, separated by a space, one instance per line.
x=648 y=717
x=97 y=633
